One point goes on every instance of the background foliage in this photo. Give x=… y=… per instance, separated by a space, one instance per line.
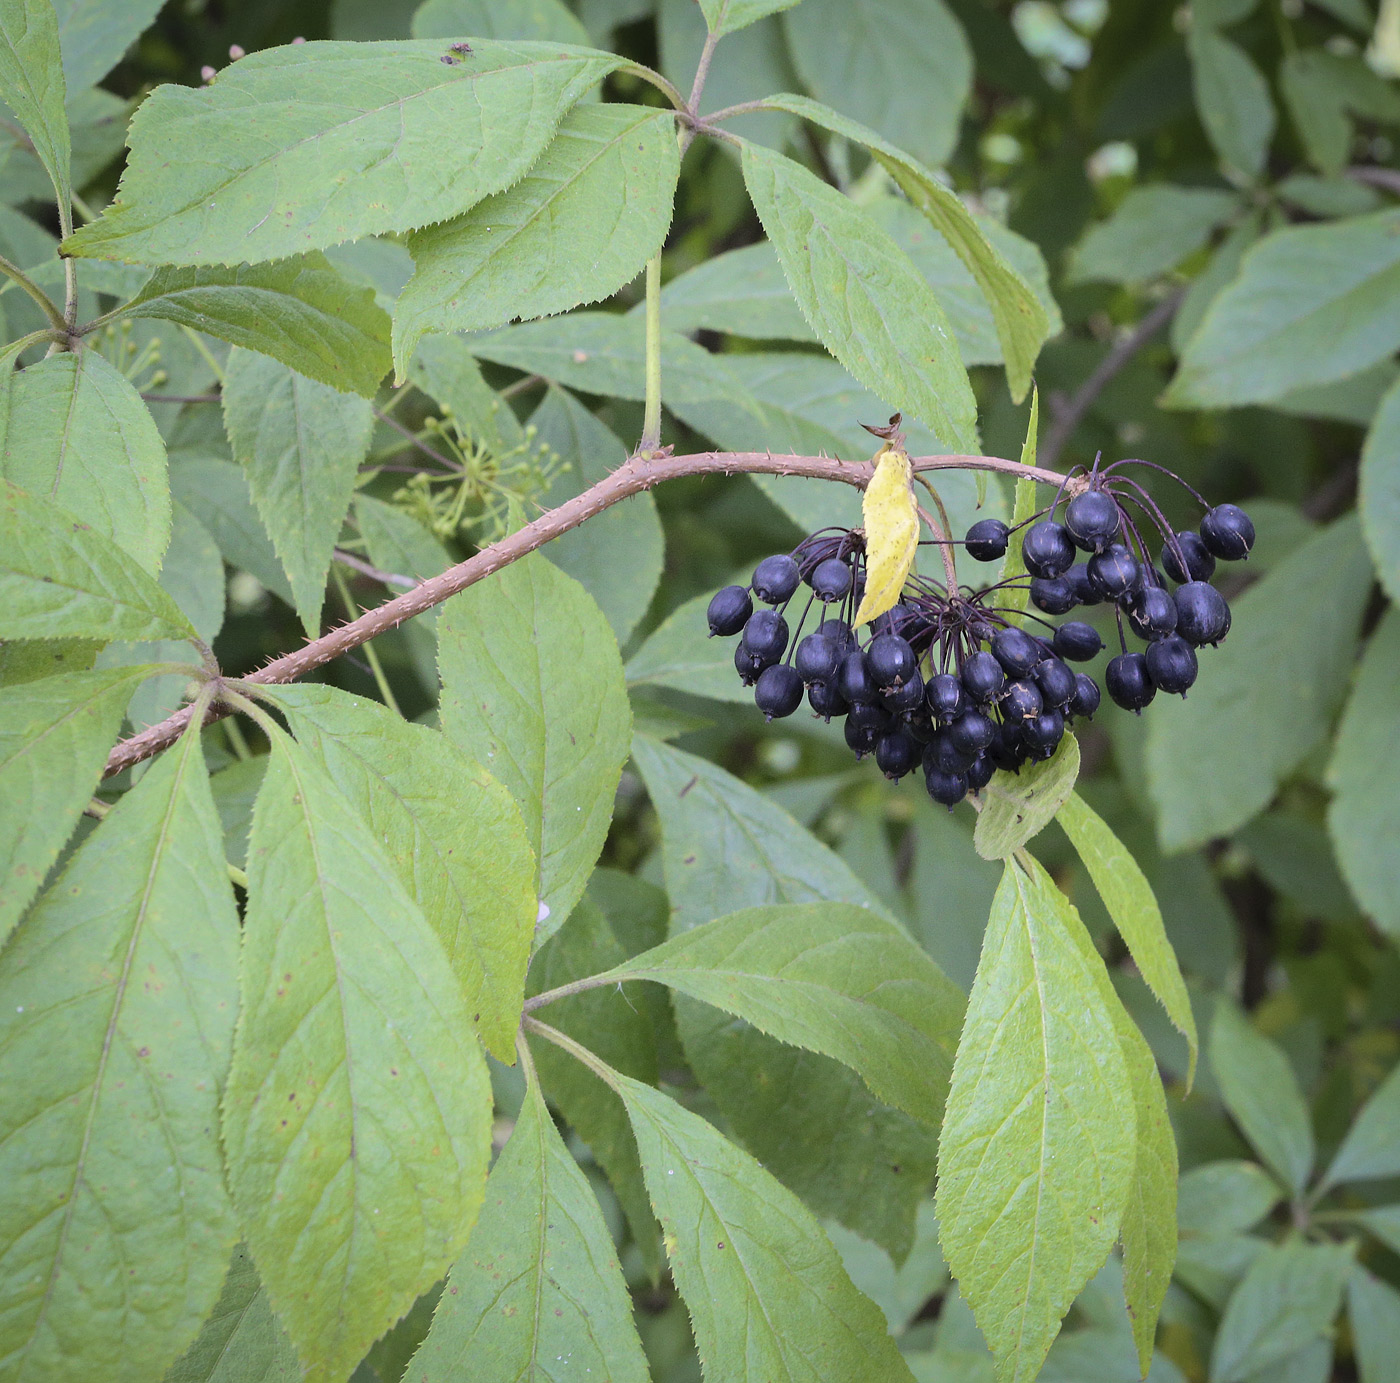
x=1200 y=205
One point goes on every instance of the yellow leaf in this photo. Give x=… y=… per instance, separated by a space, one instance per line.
x=891 y=532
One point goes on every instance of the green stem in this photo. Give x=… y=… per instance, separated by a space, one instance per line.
x=236 y=740
x=577 y=1050
x=82 y=208
x=204 y=350
x=637 y=69
x=237 y=876
x=573 y=987
x=651 y=419
x=46 y=304
x=353 y=612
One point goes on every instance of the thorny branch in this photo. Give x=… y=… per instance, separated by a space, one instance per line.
x=632 y=477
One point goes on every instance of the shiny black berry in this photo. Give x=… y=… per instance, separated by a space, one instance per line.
x=1077 y=641
x=826 y=701
x=1127 y=681
x=1228 y=532
x=891 y=661
x=1171 y=664
x=765 y=635
x=839 y=632
x=1152 y=613
x=1046 y=549
x=942 y=755
x=1006 y=751
x=917 y=723
x=1113 y=571
x=1085 y=700
x=729 y=610
x=947 y=789
x=944 y=696
x=971 y=733
x=979 y=772
x=1056 y=683
x=864 y=725
x=1042 y=734
x=896 y=754
x=1016 y=651
x=831 y=580
x=1053 y=594
x=893 y=620
x=1200 y=564
x=779 y=690
x=1202 y=616
x=853 y=679
x=982 y=678
x=775 y=579
x=908 y=696
x=1092 y=519
x=1021 y=701
x=747 y=665
x=986 y=540
x=1085 y=592
x=816 y=657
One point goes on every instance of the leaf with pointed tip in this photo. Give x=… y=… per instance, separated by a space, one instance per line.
x=54 y=738
x=453 y=833
x=538 y=1294
x=61 y=579
x=1226 y=1197
x=768 y=1298
x=117 y=1003
x=1039 y=1140
x=1130 y=902
x=311 y=144
x=241 y=1341
x=532 y=689
x=77 y=433
x=299 y=311
x=357 y=1083
x=1233 y=99
x=872 y=309
x=32 y=86
x=1371 y=1149
x=831 y=977
x=1021 y=805
x=891 y=521
x=1373 y=1310
x=300 y=443
x=580 y=225
x=725 y=16
x=1261 y=1092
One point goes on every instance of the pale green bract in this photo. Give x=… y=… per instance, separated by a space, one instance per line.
x=830 y=977
x=872 y=309
x=299 y=311
x=117 y=1001
x=580 y=225
x=357 y=1082
x=300 y=444
x=1039 y=1140
x=538 y=1294
x=76 y=432
x=61 y=579
x=532 y=689
x=768 y=1298
x=453 y=833
x=1018 y=806
x=256 y=165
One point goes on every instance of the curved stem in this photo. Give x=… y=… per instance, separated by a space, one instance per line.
x=46 y=304
x=651 y=418
x=577 y=1050
x=653 y=78
x=632 y=477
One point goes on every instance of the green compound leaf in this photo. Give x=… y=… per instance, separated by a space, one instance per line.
x=1130 y=902
x=304 y=146
x=1215 y=759
x=54 y=738
x=61 y=579
x=1038 y=1148
x=872 y=309
x=299 y=311
x=1365 y=806
x=453 y=833
x=725 y=16
x=538 y=1294
x=117 y=1001
x=300 y=443
x=532 y=689
x=1150 y=232
x=77 y=433
x=1371 y=1150
x=831 y=977
x=241 y=1341
x=1310 y=305
x=32 y=86
x=679 y=653
x=1018 y=806
x=1233 y=100
x=1287 y=1299
x=1378 y=496
x=357 y=1082
x=768 y=1298
x=580 y=225
x=1022 y=321
x=1261 y=1092
x=1224 y=1198
x=808 y=1119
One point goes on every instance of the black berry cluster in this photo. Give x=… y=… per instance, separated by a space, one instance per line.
x=948 y=679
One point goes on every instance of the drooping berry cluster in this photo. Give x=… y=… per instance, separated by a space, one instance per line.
x=948 y=678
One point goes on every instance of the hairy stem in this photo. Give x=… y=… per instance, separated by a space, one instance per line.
x=651 y=419
x=634 y=476
x=46 y=305
x=573 y=987
x=577 y=1050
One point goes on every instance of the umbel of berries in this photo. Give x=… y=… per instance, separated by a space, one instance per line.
x=962 y=681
